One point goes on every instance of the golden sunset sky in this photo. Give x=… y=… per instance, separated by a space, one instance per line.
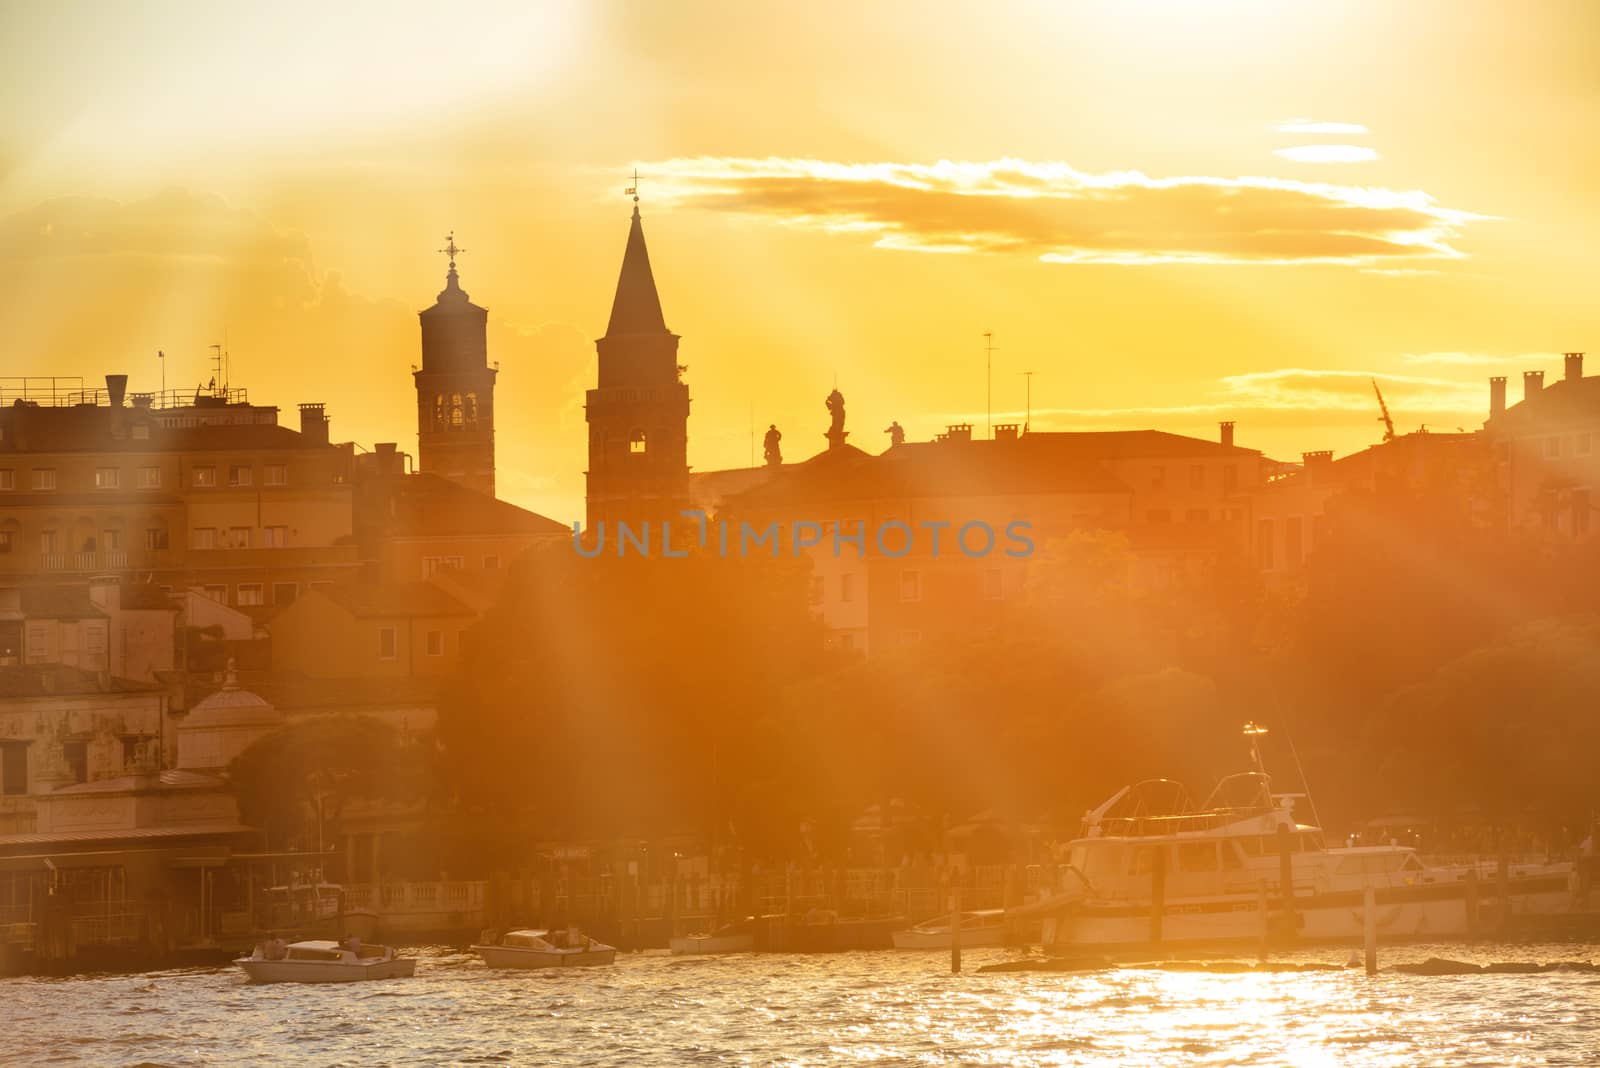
x=1173 y=212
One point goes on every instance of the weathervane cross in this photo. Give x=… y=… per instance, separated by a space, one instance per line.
x=451 y=250
x=633 y=190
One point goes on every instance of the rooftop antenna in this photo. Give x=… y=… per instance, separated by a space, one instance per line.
x=216 y=371
x=752 y=433
x=988 y=381
x=1027 y=420
x=162 y=356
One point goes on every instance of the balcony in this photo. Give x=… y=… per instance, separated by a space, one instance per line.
x=52 y=561
x=116 y=559
x=109 y=560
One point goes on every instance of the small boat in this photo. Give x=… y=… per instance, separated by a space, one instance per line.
x=736 y=937
x=981 y=927
x=564 y=948
x=324 y=961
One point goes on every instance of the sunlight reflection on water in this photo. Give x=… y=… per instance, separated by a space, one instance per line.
x=856 y=1008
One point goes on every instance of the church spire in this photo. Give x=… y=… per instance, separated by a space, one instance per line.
x=637 y=308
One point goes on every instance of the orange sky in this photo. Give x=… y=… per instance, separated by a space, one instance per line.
x=1172 y=212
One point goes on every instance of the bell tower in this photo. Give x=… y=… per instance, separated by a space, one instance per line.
x=639 y=414
x=455 y=387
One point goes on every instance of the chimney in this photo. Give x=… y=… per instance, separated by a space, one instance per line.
x=1574 y=365
x=1497 y=395
x=1532 y=384
x=314 y=423
x=1317 y=464
x=116 y=389
x=388 y=458
x=958 y=432
x=1005 y=432
x=1227 y=432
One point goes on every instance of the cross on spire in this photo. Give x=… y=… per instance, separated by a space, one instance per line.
x=633 y=190
x=451 y=250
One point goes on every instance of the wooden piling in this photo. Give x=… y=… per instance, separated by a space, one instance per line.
x=1286 y=880
x=1265 y=916
x=1369 y=928
x=955 y=930
x=1158 y=891
x=1502 y=881
x=1472 y=903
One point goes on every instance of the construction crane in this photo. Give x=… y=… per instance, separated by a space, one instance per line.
x=1388 y=423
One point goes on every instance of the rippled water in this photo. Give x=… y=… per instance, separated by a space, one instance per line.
x=879 y=1008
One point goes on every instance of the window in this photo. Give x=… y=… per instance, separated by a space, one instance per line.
x=240 y=475
x=247 y=594
x=276 y=475
x=155 y=538
x=76 y=756
x=204 y=476
x=284 y=592
x=44 y=478
x=130 y=750
x=636 y=443
x=111 y=539
x=217 y=593
x=141 y=431
x=911 y=585
x=1552 y=448
x=203 y=538
x=456 y=417
x=5 y=541
x=1582 y=445
x=8 y=479
x=1230 y=478
x=1293 y=551
x=491 y=563
x=847 y=588
x=386 y=644
x=815 y=596
x=13 y=768
x=1580 y=513
x=107 y=478
x=274 y=537
x=48 y=543
x=1197 y=856
x=1196 y=515
x=238 y=537
x=993 y=589
x=910 y=637
x=149 y=477
x=1197 y=476
x=432 y=564
x=435 y=643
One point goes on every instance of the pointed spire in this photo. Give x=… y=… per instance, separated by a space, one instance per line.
x=637 y=308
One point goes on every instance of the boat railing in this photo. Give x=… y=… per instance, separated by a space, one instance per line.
x=1153 y=826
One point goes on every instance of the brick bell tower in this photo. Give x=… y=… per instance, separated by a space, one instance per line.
x=639 y=414
x=455 y=388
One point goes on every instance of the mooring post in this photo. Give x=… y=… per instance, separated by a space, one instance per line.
x=1502 y=879
x=1472 y=903
x=1266 y=920
x=1158 y=891
x=955 y=930
x=1286 y=880
x=1369 y=925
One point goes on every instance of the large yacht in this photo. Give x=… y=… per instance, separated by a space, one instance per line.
x=1151 y=869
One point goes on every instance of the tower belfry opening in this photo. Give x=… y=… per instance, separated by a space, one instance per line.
x=455 y=386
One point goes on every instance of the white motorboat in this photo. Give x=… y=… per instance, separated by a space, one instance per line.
x=562 y=948
x=1149 y=870
x=324 y=961
x=980 y=927
x=737 y=937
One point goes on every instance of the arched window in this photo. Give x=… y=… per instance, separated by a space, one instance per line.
x=455 y=410
x=438 y=411
x=472 y=408
x=636 y=443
